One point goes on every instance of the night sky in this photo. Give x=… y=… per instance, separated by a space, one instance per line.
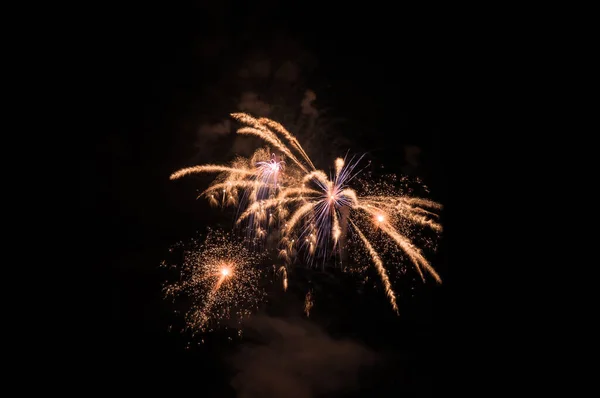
x=166 y=78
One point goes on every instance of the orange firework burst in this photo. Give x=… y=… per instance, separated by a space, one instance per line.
x=310 y=211
x=221 y=279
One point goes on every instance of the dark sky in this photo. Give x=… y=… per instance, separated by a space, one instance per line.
x=163 y=78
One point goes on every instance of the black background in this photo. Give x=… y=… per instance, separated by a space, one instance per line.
x=386 y=77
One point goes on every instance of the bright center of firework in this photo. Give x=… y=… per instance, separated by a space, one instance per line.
x=333 y=195
x=225 y=272
x=380 y=218
x=274 y=167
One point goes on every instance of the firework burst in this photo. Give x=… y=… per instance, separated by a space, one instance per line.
x=309 y=211
x=220 y=278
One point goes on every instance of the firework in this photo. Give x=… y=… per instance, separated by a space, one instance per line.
x=309 y=210
x=315 y=222
x=220 y=278
x=283 y=272
x=308 y=303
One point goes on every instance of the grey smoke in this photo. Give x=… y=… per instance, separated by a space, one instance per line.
x=208 y=133
x=296 y=359
x=306 y=104
x=208 y=130
x=251 y=103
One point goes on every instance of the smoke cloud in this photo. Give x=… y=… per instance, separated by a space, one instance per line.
x=252 y=104
x=296 y=359
x=208 y=133
x=207 y=130
x=307 y=107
